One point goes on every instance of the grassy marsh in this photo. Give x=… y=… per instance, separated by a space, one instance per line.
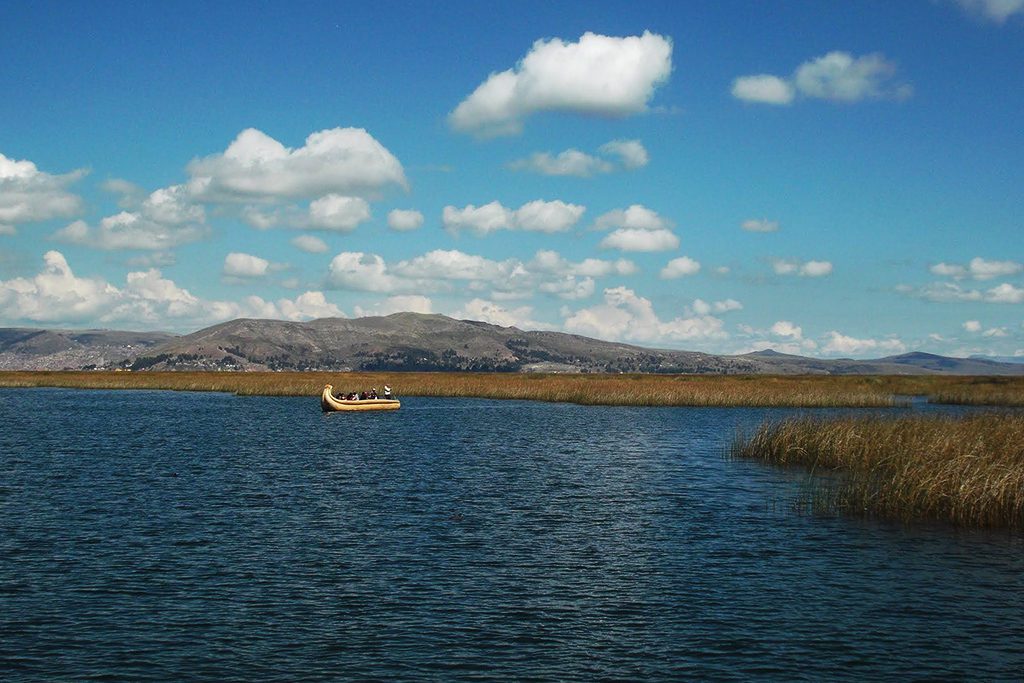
x=965 y=470
x=587 y=389
x=639 y=390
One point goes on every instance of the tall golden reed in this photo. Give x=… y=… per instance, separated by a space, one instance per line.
x=587 y=389
x=965 y=470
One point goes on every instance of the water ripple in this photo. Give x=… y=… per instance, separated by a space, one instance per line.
x=158 y=535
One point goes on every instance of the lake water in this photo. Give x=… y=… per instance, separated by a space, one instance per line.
x=167 y=536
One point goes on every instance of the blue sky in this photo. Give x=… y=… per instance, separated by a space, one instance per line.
x=830 y=179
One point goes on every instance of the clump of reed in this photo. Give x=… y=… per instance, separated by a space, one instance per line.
x=586 y=389
x=982 y=391
x=966 y=470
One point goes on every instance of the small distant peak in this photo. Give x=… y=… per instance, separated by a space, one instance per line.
x=916 y=356
x=411 y=315
x=770 y=353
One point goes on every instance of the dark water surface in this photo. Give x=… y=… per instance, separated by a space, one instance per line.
x=160 y=535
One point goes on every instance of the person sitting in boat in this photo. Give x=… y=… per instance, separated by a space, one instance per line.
x=362 y=396
x=387 y=392
x=373 y=393
x=352 y=396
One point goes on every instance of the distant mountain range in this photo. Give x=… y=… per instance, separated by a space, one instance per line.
x=1001 y=359
x=32 y=349
x=414 y=341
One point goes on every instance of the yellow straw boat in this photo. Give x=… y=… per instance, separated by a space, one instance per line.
x=331 y=404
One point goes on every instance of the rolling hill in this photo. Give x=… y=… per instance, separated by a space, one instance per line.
x=33 y=349
x=423 y=342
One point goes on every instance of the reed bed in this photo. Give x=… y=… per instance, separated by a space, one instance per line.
x=995 y=394
x=802 y=391
x=586 y=389
x=965 y=470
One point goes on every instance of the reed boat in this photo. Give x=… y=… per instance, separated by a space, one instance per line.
x=330 y=403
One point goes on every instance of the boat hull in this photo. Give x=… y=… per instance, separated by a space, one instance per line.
x=330 y=404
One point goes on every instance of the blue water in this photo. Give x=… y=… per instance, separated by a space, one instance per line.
x=174 y=536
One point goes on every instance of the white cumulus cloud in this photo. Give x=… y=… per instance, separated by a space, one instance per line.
x=625 y=316
x=763 y=89
x=256 y=167
x=594 y=267
x=496 y=314
x=536 y=216
x=571 y=162
x=836 y=76
x=569 y=287
x=636 y=228
x=309 y=244
x=680 y=267
x=404 y=220
x=632 y=153
x=946 y=292
x=841 y=344
x=541 y=216
x=841 y=77
x=360 y=271
x=816 y=269
x=547 y=261
x=128 y=230
x=337 y=212
x=167 y=218
x=451 y=264
x=635 y=239
x=783 y=336
x=948 y=270
x=1005 y=294
x=701 y=307
x=146 y=299
x=451 y=270
x=637 y=217
x=237 y=264
x=479 y=219
x=55 y=294
x=308 y=306
x=784 y=328
x=598 y=74
x=803 y=269
x=978 y=269
x=435 y=270
x=28 y=195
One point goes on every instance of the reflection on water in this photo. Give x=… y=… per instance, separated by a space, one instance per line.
x=158 y=535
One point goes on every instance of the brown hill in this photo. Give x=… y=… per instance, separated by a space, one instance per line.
x=32 y=349
x=413 y=341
